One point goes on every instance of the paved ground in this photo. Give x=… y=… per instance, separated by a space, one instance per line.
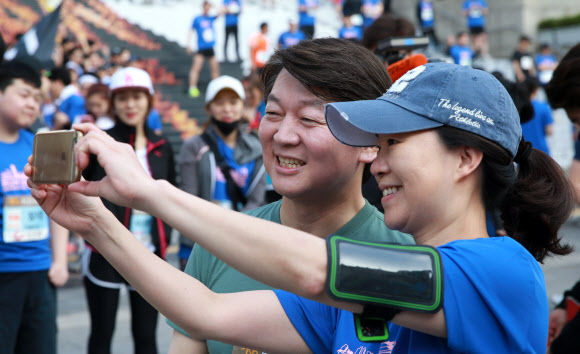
x=172 y=20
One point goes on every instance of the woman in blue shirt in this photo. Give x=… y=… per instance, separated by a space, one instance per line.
x=446 y=152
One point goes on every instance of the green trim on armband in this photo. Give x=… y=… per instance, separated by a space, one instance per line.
x=405 y=277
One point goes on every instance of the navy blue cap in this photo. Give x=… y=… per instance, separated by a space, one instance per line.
x=430 y=96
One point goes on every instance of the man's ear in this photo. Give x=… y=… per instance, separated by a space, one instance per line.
x=469 y=160
x=368 y=154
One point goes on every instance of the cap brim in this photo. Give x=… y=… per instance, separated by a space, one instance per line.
x=357 y=123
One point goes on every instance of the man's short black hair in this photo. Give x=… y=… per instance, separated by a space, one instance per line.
x=263 y=24
x=15 y=69
x=60 y=74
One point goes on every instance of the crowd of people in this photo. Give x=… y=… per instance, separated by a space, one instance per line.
x=270 y=194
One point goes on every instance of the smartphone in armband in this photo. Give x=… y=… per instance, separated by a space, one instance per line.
x=54 y=157
x=371 y=329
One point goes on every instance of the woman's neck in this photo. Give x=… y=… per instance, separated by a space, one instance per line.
x=229 y=140
x=140 y=138
x=463 y=222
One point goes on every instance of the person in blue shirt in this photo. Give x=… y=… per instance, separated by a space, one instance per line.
x=545 y=62
x=371 y=10
x=446 y=152
x=68 y=101
x=154 y=121
x=461 y=52
x=475 y=12
x=306 y=18
x=426 y=19
x=33 y=256
x=542 y=124
x=348 y=31
x=232 y=9
x=291 y=37
x=203 y=25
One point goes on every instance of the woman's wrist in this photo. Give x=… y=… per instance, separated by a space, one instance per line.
x=151 y=200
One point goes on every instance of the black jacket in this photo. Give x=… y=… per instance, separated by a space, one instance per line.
x=161 y=163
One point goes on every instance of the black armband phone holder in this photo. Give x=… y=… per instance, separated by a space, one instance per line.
x=386 y=279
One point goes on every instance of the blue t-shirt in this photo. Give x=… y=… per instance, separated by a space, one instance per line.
x=24 y=227
x=494 y=301
x=288 y=39
x=426 y=13
x=544 y=76
x=205 y=31
x=534 y=130
x=73 y=105
x=154 y=120
x=304 y=17
x=241 y=175
x=353 y=33
x=234 y=6
x=462 y=55
x=475 y=9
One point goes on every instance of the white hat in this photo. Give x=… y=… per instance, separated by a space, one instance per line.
x=88 y=79
x=224 y=82
x=131 y=77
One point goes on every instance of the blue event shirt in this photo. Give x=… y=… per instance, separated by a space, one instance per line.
x=241 y=175
x=20 y=256
x=546 y=75
x=205 y=31
x=304 y=18
x=480 y=299
x=534 y=130
x=353 y=33
x=232 y=18
x=288 y=39
x=462 y=55
x=73 y=106
x=427 y=14
x=367 y=21
x=475 y=16
x=154 y=120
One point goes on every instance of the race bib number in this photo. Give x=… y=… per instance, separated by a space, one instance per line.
x=427 y=14
x=526 y=62
x=234 y=8
x=141 y=227
x=475 y=12
x=227 y=204
x=545 y=76
x=465 y=58
x=23 y=220
x=207 y=35
x=261 y=56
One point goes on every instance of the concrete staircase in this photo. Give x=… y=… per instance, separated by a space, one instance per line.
x=174 y=61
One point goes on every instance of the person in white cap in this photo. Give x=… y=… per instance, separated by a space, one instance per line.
x=131 y=98
x=223 y=164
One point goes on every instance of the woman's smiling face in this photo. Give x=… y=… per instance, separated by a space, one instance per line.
x=415 y=173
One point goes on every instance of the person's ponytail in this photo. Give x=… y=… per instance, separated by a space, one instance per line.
x=538 y=203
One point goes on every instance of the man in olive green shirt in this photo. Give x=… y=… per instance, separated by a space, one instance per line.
x=318 y=177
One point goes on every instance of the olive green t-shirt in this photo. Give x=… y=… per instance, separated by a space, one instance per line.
x=366 y=225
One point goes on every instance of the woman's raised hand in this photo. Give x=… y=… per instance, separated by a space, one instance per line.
x=73 y=211
x=126 y=183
